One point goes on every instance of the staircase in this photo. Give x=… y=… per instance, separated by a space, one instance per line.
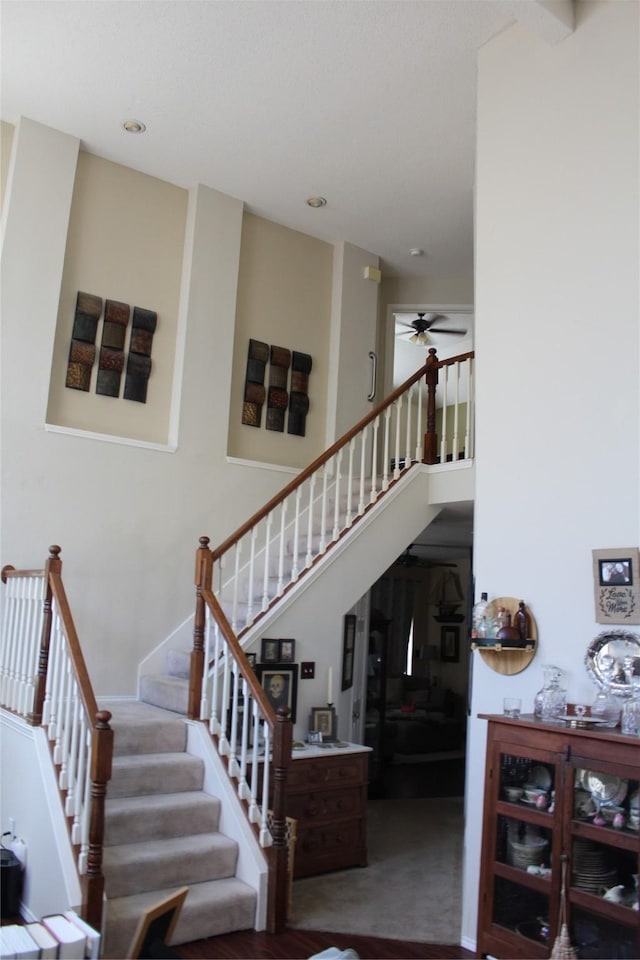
x=156 y=842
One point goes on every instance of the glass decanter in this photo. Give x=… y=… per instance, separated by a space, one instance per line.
x=605 y=706
x=630 y=721
x=551 y=701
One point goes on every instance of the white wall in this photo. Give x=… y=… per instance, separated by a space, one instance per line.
x=557 y=344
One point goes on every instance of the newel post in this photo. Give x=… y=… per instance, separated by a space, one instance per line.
x=101 y=765
x=52 y=565
x=203 y=579
x=278 y=887
x=430 y=437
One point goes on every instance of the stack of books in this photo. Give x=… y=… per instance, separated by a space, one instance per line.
x=64 y=936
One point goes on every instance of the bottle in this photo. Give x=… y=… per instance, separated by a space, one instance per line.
x=605 y=707
x=550 y=702
x=478 y=616
x=507 y=635
x=500 y=619
x=521 y=621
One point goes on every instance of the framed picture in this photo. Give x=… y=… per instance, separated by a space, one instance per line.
x=270 y=651
x=287 y=651
x=323 y=720
x=450 y=644
x=348 y=650
x=616 y=579
x=156 y=927
x=251 y=657
x=280 y=683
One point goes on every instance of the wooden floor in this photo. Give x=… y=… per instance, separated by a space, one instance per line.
x=302 y=944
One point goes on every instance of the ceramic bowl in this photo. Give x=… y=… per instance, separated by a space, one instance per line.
x=513 y=793
x=532 y=793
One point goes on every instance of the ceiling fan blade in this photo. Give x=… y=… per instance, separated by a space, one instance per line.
x=444 y=330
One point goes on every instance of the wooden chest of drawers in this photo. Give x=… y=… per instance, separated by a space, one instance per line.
x=327 y=795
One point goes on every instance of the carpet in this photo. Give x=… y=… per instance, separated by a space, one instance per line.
x=411 y=889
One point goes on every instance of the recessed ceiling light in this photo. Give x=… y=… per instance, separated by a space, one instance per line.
x=416 y=252
x=134 y=126
x=316 y=202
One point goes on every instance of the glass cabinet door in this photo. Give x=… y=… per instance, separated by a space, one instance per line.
x=525 y=846
x=604 y=855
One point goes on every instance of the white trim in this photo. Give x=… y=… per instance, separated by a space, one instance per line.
x=258 y=465
x=107 y=438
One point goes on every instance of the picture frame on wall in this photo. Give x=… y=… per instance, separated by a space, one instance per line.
x=270 y=651
x=616 y=580
x=348 y=650
x=287 y=651
x=450 y=644
x=280 y=684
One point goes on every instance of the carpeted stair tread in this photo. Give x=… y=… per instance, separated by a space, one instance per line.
x=210 y=909
x=159 y=816
x=168 y=692
x=142 y=774
x=134 y=867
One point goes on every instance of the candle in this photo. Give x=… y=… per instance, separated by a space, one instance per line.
x=330 y=686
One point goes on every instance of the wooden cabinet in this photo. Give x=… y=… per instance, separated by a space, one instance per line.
x=525 y=840
x=327 y=796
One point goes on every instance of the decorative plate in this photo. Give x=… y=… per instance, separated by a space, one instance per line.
x=611 y=660
x=584 y=804
x=540 y=777
x=605 y=788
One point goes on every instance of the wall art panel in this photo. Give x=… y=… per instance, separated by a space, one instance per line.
x=111 y=361
x=278 y=398
x=82 y=350
x=143 y=327
x=301 y=364
x=254 y=389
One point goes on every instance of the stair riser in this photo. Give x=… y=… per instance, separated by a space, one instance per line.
x=133 y=824
x=209 y=910
x=153 y=776
x=165 y=865
x=164 y=736
x=169 y=693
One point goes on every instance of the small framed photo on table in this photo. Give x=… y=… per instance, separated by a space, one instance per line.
x=323 y=720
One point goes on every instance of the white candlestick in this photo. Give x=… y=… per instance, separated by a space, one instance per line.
x=330 y=686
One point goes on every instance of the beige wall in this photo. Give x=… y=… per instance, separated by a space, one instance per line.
x=284 y=300
x=125 y=242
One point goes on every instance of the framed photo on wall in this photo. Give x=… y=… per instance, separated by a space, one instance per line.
x=348 y=650
x=616 y=581
x=280 y=683
x=449 y=644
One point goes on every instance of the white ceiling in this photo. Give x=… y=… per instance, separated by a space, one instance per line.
x=368 y=103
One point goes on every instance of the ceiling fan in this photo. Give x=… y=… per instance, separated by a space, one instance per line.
x=409 y=559
x=423 y=325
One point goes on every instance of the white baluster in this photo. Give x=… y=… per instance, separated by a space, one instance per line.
x=83 y=766
x=309 y=556
x=373 y=496
x=469 y=439
x=265 y=577
x=237 y=549
x=363 y=450
x=72 y=772
x=443 y=441
x=456 y=413
x=296 y=536
x=349 y=514
x=323 y=509
x=398 y=408
x=252 y=560
x=407 y=443
x=385 y=455
x=336 y=492
x=283 y=518
x=419 y=437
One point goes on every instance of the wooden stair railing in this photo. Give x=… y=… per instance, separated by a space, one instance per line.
x=43 y=677
x=305 y=519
